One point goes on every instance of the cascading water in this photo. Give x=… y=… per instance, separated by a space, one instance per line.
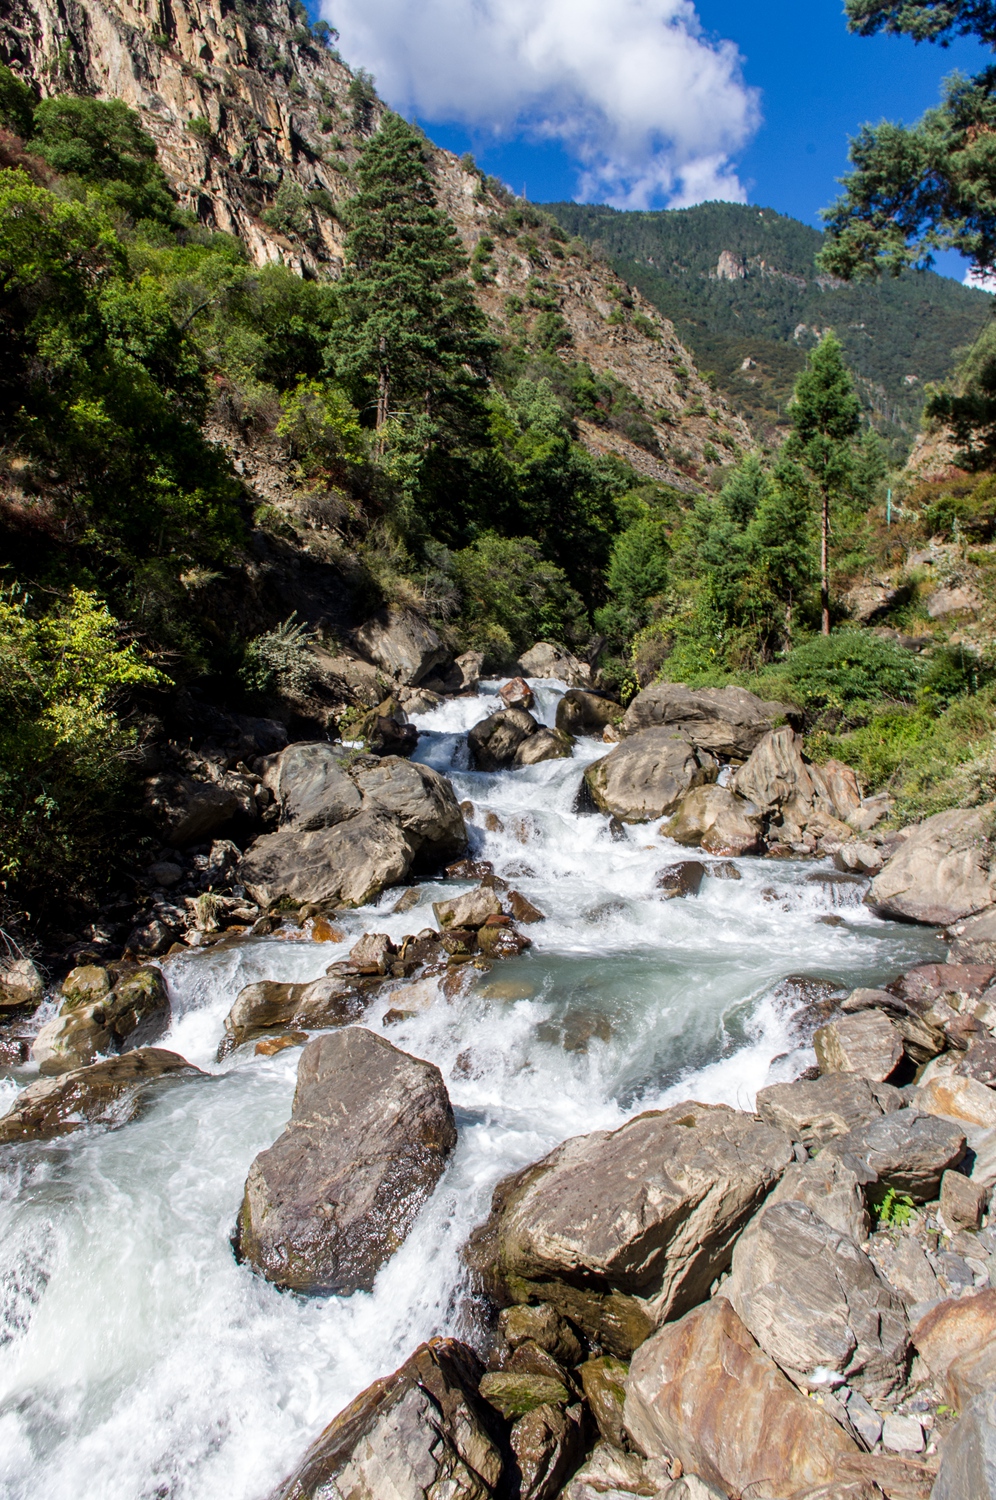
x=139 y=1362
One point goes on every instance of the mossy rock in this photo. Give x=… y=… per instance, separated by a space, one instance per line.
x=514 y=1392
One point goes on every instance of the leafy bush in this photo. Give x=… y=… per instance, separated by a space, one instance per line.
x=321 y=426
x=852 y=666
x=953 y=672
x=512 y=597
x=100 y=145
x=64 y=754
x=280 y=660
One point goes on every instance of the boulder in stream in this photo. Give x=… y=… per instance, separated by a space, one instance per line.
x=401 y=643
x=647 y=775
x=941 y=872
x=715 y=819
x=621 y=1230
x=313 y=789
x=581 y=713
x=802 y=802
x=134 y=1013
x=422 y=1431
x=703 y=1391
x=106 y=1093
x=495 y=741
x=553 y=662
x=545 y=744
x=816 y=1110
x=370 y=1133
x=347 y=865
x=728 y=721
x=21 y=988
x=422 y=803
x=866 y=1043
x=270 y=1005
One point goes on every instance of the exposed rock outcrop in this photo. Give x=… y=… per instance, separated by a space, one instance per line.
x=402 y=644
x=802 y=802
x=368 y=1139
x=546 y=660
x=942 y=872
x=730 y=722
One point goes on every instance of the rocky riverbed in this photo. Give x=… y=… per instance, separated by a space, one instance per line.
x=572 y=972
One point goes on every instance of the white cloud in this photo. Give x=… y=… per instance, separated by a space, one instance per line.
x=983 y=281
x=649 y=106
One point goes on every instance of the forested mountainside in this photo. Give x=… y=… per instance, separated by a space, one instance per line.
x=741 y=288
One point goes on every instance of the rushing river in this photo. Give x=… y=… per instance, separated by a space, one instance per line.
x=138 y=1360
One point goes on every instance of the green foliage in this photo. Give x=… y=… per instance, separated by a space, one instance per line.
x=852 y=666
x=637 y=577
x=321 y=427
x=63 y=752
x=889 y=330
x=17 y=104
x=99 y=145
x=290 y=213
x=892 y=1209
x=511 y=597
x=953 y=672
x=279 y=660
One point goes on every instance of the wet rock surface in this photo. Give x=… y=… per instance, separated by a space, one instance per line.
x=368 y=1139
x=107 y=1093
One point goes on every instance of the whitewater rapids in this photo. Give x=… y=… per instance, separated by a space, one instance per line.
x=139 y=1362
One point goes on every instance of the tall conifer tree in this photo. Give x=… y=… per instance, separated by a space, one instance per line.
x=826 y=414
x=412 y=337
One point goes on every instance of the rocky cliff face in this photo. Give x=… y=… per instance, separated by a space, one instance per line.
x=257 y=125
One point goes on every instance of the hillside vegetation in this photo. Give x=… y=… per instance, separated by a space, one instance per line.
x=752 y=331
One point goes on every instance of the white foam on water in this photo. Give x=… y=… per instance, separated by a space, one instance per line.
x=137 y=1359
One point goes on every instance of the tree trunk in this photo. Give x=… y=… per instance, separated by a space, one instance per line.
x=824 y=563
x=383 y=386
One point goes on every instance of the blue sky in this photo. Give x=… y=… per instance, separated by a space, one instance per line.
x=647 y=102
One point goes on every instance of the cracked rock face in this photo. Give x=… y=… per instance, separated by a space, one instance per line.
x=620 y=1230
x=421 y=1431
x=368 y=1139
x=815 y=1302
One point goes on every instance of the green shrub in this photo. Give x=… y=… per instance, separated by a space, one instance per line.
x=17 y=104
x=64 y=754
x=280 y=660
x=100 y=145
x=513 y=597
x=852 y=666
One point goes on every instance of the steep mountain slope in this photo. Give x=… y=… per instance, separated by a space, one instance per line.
x=740 y=285
x=258 y=124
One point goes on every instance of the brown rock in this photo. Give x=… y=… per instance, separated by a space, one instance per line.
x=681 y=879
x=957 y=1098
x=470 y=910
x=368 y=1139
x=346 y=865
x=494 y=742
x=795 y=794
x=866 y=1043
x=548 y=1444
x=86 y=984
x=586 y=714
x=269 y=1005
x=717 y=820
x=373 y=953
x=956 y=1328
x=21 y=987
x=728 y=721
x=271 y=1045
x=604 y=1383
x=402 y=644
x=421 y=1431
x=502 y=942
x=106 y=1093
x=907 y=1151
x=540 y=1324
x=963 y=1202
x=701 y=1389
x=647 y=775
x=620 y=1230
x=815 y=1302
x=941 y=872
x=523 y=910
x=516 y=693
x=545 y=744
x=815 y=1110
x=832 y=1188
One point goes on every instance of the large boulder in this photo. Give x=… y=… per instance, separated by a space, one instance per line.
x=813 y=1111
x=346 y=865
x=134 y=1013
x=832 y=1187
x=793 y=793
x=21 y=987
x=907 y=1151
x=717 y=820
x=728 y=721
x=955 y=1097
x=106 y=1093
x=581 y=713
x=270 y=1005
x=421 y=801
x=313 y=789
x=815 y=1302
x=545 y=744
x=942 y=871
x=703 y=1391
x=974 y=941
x=648 y=775
x=621 y=1230
x=866 y=1043
x=968 y=1460
x=370 y=1132
x=419 y=1432
x=950 y=1337
x=494 y=741
x=402 y=644
x=553 y=662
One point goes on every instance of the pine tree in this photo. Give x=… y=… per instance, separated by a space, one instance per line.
x=412 y=339
x=826 y=415
x=780 y=541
